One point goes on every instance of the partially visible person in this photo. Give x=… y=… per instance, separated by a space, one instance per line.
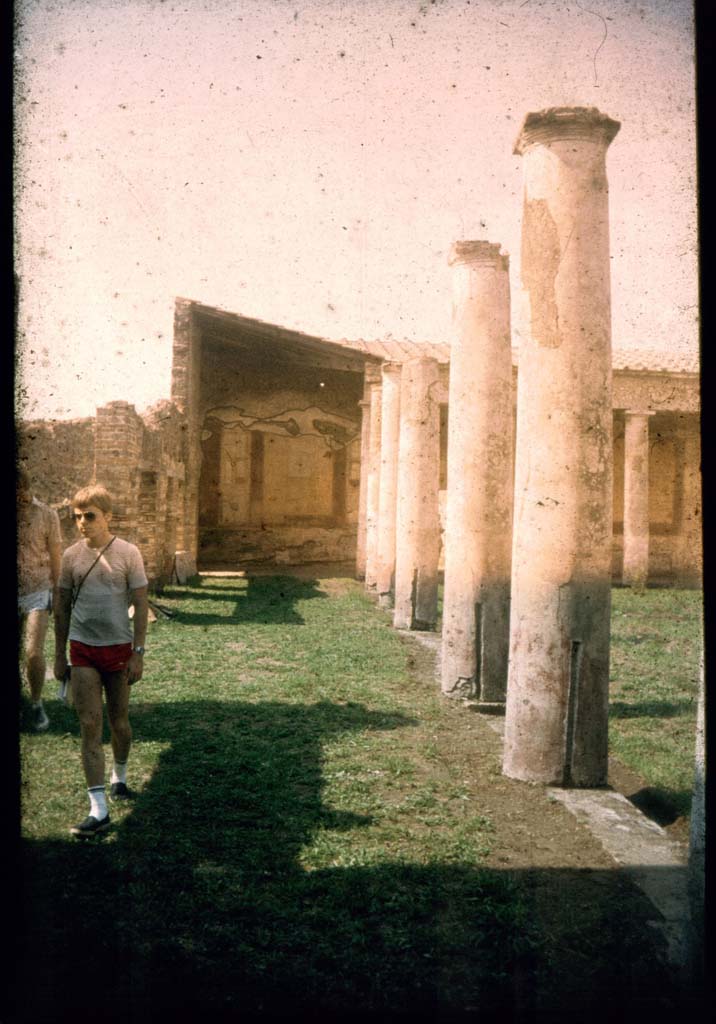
x=101 y=576
x=39 y=551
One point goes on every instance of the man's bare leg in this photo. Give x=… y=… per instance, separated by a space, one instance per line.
x=35 y=623
x=117 y=691
x=87 y=698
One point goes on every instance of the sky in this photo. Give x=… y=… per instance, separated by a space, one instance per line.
x=310 y=163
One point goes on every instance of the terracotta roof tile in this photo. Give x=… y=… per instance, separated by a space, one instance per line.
x=637 y=359
x=623 y=357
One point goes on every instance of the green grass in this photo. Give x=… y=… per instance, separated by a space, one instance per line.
x=289 y=835
x=655 y=651
x=307 y=830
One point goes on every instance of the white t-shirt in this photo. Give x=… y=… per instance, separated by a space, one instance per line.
x=99 y=616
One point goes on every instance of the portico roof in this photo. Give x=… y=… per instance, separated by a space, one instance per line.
x=222 y=327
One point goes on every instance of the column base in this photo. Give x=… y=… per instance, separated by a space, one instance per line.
x=487 y=707
x=463 y=688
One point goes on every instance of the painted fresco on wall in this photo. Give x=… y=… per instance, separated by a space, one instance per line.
x=295 y=474
x=336 y=431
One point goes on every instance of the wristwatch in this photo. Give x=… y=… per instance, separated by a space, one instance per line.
x=137 y=650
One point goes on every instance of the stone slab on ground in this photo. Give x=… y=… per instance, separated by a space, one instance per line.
x=656 y=863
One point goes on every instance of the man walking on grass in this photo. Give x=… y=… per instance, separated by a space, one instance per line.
x=39 y=550
x=101 y=575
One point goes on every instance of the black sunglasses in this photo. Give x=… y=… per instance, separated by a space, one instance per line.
x=89 y=516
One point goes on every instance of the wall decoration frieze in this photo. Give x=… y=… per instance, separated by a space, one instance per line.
x=336 y=431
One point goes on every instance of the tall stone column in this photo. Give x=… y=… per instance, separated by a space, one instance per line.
x=478 y=529
x=697 y=838
x=688 y=555
x=186 y=394
x=372 y=488
x=417 y=547
x=557 y=696
x=388 y=486
x=363 y=486
x=636 y=498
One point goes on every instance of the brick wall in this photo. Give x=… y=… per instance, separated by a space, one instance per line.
x=118 y=447
x=136 y=458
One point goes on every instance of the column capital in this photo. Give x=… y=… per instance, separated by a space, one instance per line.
x=466 y=251
x=421 y=360
x=559 y=123
x=391 y=366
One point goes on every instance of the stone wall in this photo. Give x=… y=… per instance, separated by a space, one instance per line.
x=139 y=459
x=59 y=457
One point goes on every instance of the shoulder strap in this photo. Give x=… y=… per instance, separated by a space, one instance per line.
x=79 y=585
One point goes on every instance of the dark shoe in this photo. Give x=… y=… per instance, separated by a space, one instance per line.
x=40 y=721
x=120 y=791
x=90 y=827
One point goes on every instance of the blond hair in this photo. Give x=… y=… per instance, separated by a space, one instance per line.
x=93 y=494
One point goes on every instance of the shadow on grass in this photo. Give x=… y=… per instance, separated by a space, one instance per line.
x=664 y=806
x=262 y=599
x=651 y=709
x=200 y=901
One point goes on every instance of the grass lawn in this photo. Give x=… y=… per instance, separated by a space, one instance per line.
x=655 y=652
x=303 y=833
x=286 y=834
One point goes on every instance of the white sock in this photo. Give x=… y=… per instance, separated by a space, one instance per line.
x=98 y=802
x=119 y=772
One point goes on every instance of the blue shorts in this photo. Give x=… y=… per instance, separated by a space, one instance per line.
x=40 y=601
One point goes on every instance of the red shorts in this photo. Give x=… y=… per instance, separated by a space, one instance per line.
x=113 y=658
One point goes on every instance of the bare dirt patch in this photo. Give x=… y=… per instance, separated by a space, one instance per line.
x=531 y=830
x=335 y=587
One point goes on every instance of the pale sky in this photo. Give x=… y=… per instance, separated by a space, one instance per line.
x=310 y=162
